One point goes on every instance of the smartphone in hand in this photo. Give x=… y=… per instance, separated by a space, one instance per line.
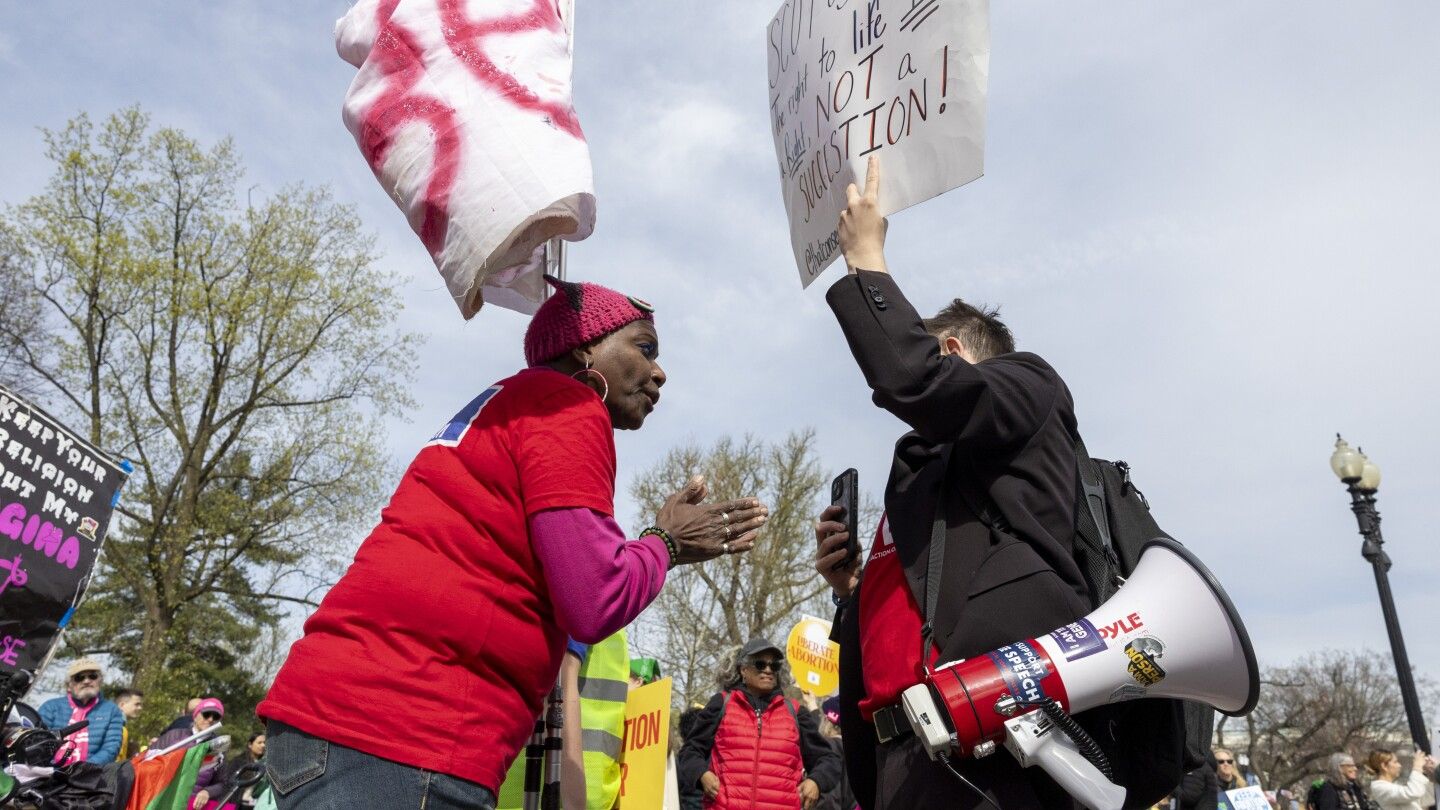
x=845 y=493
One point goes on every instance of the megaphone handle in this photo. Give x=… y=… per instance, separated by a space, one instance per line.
x=1034 y=744
x=1079 y=778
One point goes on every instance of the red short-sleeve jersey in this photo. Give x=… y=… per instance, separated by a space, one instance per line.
x=438 y=645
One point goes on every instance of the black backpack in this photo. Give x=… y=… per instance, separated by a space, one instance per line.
x=1151 y=743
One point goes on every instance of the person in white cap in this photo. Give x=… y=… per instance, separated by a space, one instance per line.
x=100 y=740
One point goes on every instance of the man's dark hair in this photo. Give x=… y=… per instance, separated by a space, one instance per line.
x=125 y=693
x=981 y=330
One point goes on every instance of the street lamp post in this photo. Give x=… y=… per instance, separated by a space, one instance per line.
x=1362 y=478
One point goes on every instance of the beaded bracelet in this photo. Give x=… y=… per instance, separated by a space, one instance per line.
x=665 y=536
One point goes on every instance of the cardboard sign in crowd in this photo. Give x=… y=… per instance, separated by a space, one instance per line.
x=647 y=744
x=56 y=495
x=814 y=658
x=905 y=79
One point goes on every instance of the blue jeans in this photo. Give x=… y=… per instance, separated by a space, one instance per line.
x=314 y=774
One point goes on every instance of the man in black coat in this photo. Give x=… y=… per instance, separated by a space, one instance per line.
x=994 y=429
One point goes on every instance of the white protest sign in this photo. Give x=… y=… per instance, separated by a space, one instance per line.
x=904 y=79
x=1248 y=798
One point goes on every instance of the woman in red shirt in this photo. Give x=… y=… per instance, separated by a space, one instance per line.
x=420 y=676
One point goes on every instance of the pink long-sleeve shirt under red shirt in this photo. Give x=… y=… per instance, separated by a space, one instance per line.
x=498 y=543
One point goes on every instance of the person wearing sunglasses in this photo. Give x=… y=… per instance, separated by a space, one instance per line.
x=207 y=712
x=1228 y=776
x=100 y=740
x=1340 y=789
x=751 y=746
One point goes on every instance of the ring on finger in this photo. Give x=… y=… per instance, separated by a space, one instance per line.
x=727 y=532
x=725 y=547
x=725 y=518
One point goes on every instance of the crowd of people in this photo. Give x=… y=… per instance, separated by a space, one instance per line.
x=752 y=745
x=1343 y=787
x=107 y=735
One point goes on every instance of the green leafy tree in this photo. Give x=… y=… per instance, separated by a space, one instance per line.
x=18 y=307
x=705 y=610
x=240 y=352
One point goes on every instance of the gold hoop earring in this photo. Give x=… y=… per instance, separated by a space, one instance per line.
x=603 y=382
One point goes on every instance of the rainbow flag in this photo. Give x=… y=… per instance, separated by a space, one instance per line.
x=165 y=782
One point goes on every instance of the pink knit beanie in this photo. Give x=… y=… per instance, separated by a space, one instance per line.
x=576 y=315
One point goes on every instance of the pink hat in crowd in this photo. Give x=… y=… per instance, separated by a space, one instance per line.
x=576 y=315
x=209 y=705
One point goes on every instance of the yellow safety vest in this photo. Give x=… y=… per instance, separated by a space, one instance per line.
x=604 y=682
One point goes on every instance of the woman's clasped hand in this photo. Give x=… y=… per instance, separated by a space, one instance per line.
x=704 y=531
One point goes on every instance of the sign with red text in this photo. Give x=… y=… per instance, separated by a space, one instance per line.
x=814 y=658
x=901 y=79
x=647 y=743
x=56 y=495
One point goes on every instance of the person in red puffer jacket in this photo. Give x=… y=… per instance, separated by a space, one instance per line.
x=752 y=748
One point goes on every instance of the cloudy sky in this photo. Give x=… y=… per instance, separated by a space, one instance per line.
x=1212 y=220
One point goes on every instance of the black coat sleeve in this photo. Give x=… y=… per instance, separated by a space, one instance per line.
x=822 y=764
x=1197 y=789
x=859 y=736
x=694 y=759
x=1327 y=797
x=998 y=403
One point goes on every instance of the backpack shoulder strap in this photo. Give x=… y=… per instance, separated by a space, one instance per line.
x=1095 y=548
x=980 y=504
x=1092 y=491
x=794 y=710
x=984 y=510
x=935 y=564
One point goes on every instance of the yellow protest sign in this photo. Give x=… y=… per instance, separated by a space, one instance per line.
x=814 y=658
x=647 y=742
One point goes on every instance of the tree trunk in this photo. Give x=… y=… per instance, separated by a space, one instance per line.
x=154 y=634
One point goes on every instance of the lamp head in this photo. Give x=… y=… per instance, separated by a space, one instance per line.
x=1369 y=474
x=1348 y=465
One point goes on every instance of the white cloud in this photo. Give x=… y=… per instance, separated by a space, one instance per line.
x=684 y=142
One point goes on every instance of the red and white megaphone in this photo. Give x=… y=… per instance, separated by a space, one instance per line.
x=1170 y=632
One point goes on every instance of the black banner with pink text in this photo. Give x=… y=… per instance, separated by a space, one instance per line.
x=56 y=495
